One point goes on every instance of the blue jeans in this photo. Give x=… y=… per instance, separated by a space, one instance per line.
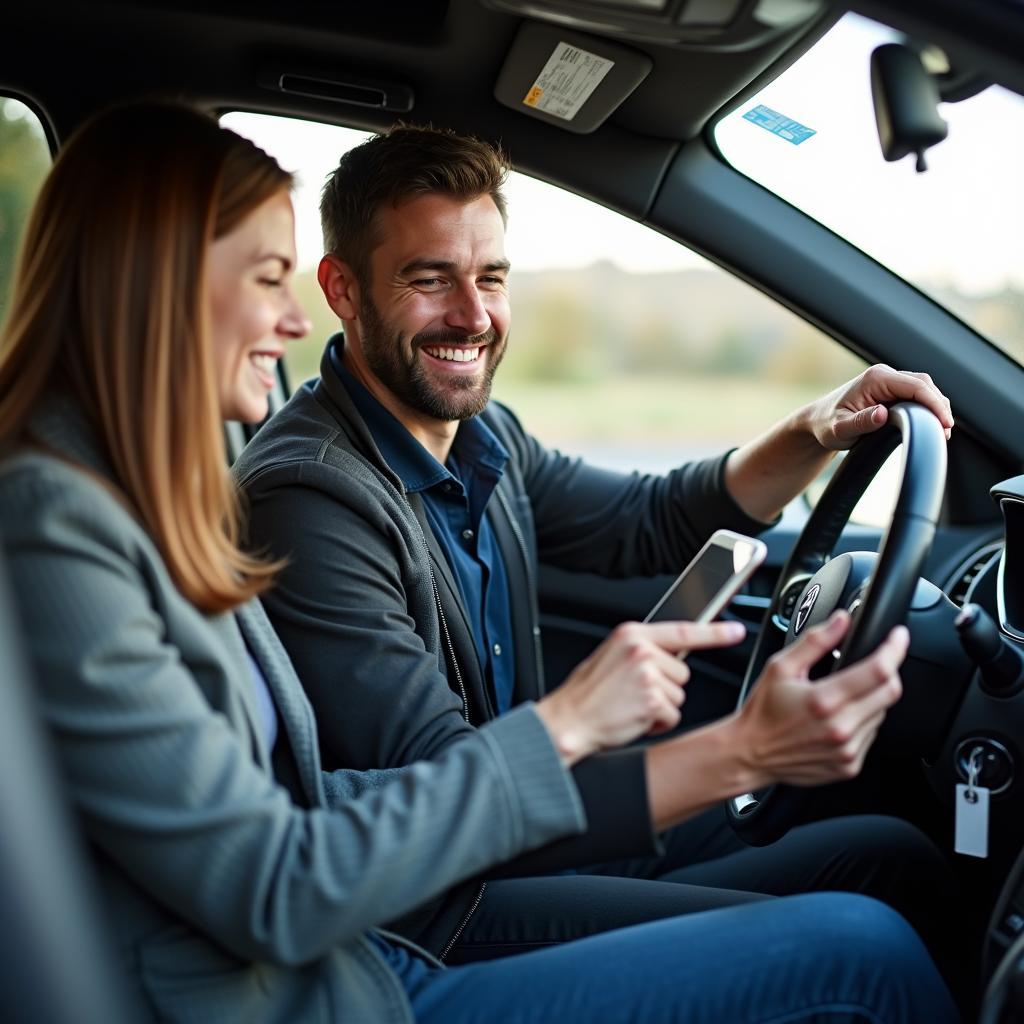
x=825 y=957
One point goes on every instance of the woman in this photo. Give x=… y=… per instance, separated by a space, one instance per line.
x=152 y=303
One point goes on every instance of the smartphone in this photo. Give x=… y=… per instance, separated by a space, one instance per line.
x=704 y=588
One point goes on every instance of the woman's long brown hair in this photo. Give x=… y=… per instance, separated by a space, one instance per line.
x=109 y=307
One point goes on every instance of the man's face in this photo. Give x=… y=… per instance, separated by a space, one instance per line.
x=434 y=316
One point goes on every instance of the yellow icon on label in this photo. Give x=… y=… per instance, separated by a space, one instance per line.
x=533 y=96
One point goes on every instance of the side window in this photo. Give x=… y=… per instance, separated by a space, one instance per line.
x=626 y=347
x=310 y=150
x=24 y=161
x=633 y=351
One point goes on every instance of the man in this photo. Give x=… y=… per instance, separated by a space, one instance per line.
x=413 y=513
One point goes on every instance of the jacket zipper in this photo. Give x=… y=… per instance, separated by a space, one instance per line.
x=457 y=934
x=534 y=627
x=448 y=641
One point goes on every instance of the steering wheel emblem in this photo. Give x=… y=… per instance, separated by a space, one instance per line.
x=804 y=611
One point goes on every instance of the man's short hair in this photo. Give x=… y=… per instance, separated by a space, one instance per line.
x=398 y=165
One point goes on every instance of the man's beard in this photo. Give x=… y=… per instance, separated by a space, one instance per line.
x=405 y=377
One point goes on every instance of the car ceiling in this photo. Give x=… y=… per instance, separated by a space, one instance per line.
x=448 y=52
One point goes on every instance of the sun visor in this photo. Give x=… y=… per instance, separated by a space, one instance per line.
x=568 y=78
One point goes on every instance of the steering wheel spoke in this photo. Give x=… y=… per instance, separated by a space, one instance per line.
x=789 y=595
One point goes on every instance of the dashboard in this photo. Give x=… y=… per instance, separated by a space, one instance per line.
x=988 y=719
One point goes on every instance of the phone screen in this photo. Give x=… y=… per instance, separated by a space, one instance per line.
x=715 y=566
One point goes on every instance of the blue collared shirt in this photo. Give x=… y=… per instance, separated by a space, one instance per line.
x=455 y=497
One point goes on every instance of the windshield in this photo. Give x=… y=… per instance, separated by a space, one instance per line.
x=954 y=231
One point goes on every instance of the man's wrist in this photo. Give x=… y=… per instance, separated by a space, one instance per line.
x=802 y=425
x=689 y=773
x=734 y=757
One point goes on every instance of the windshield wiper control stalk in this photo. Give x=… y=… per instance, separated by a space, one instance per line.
x=1001 y=664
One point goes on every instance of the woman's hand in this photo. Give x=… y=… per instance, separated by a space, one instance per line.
x=631 y=686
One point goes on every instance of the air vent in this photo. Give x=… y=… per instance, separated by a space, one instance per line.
x=961 y=582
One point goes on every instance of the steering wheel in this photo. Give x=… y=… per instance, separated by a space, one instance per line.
x=876 y=590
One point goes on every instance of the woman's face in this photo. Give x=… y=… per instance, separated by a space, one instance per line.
x=253 y=311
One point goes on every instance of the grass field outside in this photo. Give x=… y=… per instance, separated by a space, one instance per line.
x=656 y=417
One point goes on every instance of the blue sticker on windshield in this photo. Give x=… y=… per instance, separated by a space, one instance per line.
x=784 y=127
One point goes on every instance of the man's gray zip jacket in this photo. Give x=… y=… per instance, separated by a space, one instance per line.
x=357 y=611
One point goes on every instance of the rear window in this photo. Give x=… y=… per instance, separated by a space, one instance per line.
x=24 y=160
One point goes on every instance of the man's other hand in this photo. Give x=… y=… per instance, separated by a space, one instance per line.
x=796 y=731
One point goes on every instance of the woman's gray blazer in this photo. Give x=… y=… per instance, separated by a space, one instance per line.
x=235 y=897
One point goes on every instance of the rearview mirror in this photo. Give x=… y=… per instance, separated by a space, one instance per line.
x=906 y=102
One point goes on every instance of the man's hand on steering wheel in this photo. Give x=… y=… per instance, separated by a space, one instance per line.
x=840 y=418
x=767 y=473
x=795 y=731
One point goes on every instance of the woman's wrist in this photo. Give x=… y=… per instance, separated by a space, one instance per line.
x=569 y=736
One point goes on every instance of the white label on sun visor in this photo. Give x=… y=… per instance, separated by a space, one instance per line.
x=568 y=79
